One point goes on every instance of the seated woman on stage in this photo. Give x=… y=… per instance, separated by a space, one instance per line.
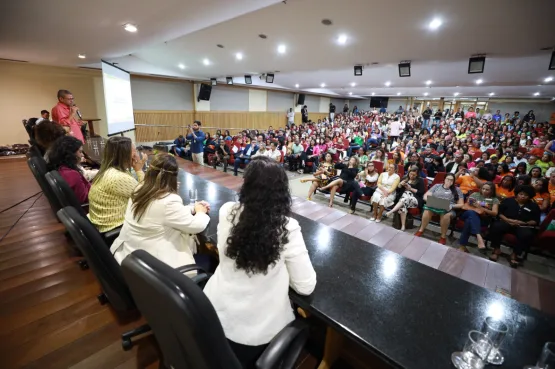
x=322 y=176
x=506 y=187
x=113 y=185
x=346 y=181
x=156 y=219
x=517 y=215
x=447 y=191
x=541 y=186
x=480 y=209
x=262 y=254
x=409 y=195
x=384 y=196
x=64 y=156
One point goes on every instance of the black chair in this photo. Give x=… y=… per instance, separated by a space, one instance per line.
x=105 y=268
x=186 y=325
x=38 y=168
x=66 y=197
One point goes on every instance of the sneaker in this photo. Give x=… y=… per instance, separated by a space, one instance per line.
x=372 y=219
x=378 y=220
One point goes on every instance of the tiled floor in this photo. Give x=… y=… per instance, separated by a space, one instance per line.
x=523 y=285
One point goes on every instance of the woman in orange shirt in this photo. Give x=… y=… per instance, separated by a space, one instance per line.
x=542 y=195
x=506 y=188
x=473 y=181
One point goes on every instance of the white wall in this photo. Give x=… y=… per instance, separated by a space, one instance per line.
x=258 y=100
x=155 y=94
x=281 y=101
x=225 y=98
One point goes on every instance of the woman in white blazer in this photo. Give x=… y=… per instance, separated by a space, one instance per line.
x=262 y=254
x=157 y=221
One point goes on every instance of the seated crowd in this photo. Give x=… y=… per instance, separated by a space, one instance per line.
x=395 y=162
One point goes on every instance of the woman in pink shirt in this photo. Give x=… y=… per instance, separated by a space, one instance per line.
x=470 y=113
x=65 y=156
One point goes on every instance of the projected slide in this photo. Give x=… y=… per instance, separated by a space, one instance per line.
x=117 y=96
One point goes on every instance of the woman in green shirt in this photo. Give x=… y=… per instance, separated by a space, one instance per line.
x=362 y=158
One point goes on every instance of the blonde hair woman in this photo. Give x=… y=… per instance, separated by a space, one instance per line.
x=384 y=196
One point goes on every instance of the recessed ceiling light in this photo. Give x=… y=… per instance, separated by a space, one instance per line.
x=297 y=85
x=425 y=94
x=350 y=93
x=428 y=82
x=435 y=24
x=181 y=66
x=456 y=94
x=239 y=56
x=353 y=84
x=82 y=56
x=491 y=93
x=342 y=39
x=281 y=49
x=323 y=85
x=479 y=81
x=206 y=61
x=130 y=27
x=548 y=79
x=537 y=94
x=398 y=94
x=373 y=93
x=388 y=83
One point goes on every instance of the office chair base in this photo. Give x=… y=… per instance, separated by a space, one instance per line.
x=126 y=342
x=83 y=264
x=102 y=299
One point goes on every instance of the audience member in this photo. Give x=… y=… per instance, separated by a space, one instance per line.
x=65 y=156
x=44 y=116
x=65 y=113
x=517 y=215
x=345 y=183
x=384 y=196
x=322 y=176
x=196 y=136
x=179 y=147
x=262 y=254
x=409 y=195
x=243 y=156
x=113 y=185
x=221 y=155
x=156 y=219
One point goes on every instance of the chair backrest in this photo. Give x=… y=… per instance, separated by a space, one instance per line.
x=63 y=192
x=550 y=216
x=476 y=155
x=99 y=258
x=38 y=167
x=439 y=178
x=378 y=165
x=400 y=170
x=491 y=151
x=182 y=318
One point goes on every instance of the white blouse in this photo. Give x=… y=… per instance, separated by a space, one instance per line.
x=253 y=309
x=387 y=180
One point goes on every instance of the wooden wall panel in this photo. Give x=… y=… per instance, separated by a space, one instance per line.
x=311 y=116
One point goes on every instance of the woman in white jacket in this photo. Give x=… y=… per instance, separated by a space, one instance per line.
x=262 y=254
x=157 y=221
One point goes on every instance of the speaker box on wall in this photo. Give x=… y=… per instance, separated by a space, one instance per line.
x=204 y=92
x=300 y=99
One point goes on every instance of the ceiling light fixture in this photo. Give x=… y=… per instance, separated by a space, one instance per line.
x=537 y=94
x=130 y=27
x=206 y=61
x=358 y=70
x=323 y=85
x=456 y=94
x=548 y=79
x=270 y=78
x=342 y=39
x=248 y=80
x=281 y=49
x=425 y=94
x=239 y=56
x=181 y=66
x=353 y=84
x=229 y=80
x=491 y=93
x=373 y=93
x=476 y=64
x=404 y=68
x=398 y=94
x=435 y=24
x=350 y=93
x=387 y=84
x=428 y=82
x=479 y=81
x=81 y=56
x=552 y=61
x=213 y=81
x=297 y=85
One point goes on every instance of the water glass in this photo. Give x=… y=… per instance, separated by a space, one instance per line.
x=546 y=359
x=193 y=196
x=475 y=352
x=496 y=331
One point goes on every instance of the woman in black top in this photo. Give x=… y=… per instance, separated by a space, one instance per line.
x=308 y=156
x=346 y=182
x=517 y=215
x=410 y=194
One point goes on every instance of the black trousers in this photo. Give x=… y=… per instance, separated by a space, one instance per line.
x=306 y=159
x=362 y=191
x=524 y=236
x=347 y=188
x=247 y=355
x=294 y=160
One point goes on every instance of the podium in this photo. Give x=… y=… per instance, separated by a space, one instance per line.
x=91 y=126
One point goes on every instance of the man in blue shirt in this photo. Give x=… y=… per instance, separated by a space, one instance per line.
x=179 y=148
x=244 y=156
x=497 y=116
x=196 y=136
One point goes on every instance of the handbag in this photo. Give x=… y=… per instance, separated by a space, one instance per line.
x=397 y=221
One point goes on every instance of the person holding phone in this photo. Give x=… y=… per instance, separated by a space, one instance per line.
x=409 y=195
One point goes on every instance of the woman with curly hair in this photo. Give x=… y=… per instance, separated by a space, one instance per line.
x=64 y=156
x=262 y=254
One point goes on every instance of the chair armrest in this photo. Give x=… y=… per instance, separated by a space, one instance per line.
x=190 y=267
x=201 y=279
x=111 y=235
x=285 y=347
